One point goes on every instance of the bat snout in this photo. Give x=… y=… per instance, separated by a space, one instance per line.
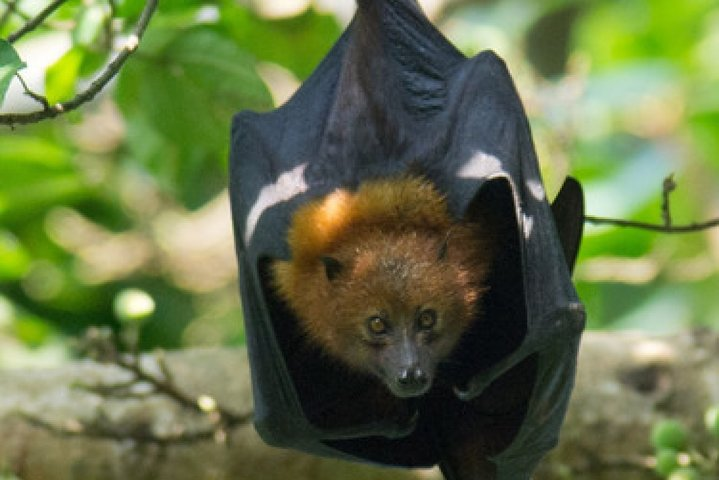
x=411 y=381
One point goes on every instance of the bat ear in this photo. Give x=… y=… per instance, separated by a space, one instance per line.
x=568 y=210
x=333 y=267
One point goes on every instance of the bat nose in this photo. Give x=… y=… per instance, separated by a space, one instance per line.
x=413 y=380
x=413 y=375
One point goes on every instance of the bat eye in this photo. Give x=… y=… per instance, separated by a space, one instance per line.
x=427 y=319
x=377 y=325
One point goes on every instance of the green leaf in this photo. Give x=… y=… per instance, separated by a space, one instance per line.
x=185 y=93
x=32 y=331
x=89 y=25
x=10 y=64
x=191 y=91
x=297 y=43
x=704 y=127
x=34 y=174
x=14 y=259
x=61 y=78
x=684 y=473
x=667 y=461
x=29 y=199
x=669 y=434
x=175 y=5
x=29 y=153
x=8 y=476
x=711 y=420
x=26 y=160
x=130 y=8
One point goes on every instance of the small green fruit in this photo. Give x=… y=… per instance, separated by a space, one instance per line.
x=667 y=461
x=669 y=434
x=711 y=420
x=133 y=305
x=684 y=473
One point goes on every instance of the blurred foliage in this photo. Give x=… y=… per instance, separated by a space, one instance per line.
x=679 y=454
x=129 y=193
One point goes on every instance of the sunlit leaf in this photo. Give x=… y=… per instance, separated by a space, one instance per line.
x=32 y=331
x=130 y=8
x=705 y=128
x=31 y=152
x=14 y=259
x=89 y=25
x=61 y=78
x=35 y=173
x=31 y=198
x=621 y=31
x=10 y=64
x=178 y=5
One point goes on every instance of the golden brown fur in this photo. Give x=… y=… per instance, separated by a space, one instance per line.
x=400 y=251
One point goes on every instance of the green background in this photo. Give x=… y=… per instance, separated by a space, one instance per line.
x=130 y=191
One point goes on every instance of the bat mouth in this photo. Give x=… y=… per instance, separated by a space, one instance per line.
x=408 y=392
x=411 y=382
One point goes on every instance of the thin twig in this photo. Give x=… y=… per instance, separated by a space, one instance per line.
x=121 y=390
x=693 y=227
x=668 y=186
x=13 y=8
x=95 y=431
x=167 y=387
x=102 y=342
x=9 y=11
x=35 y=96
x=97 y=85
x=33 y=23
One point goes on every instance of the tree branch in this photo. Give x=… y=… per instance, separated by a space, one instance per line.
x=225 y=418
x=56 y=425
x=75 y=422
x=668 y=186
x=692 y=227
x=97 y=85
x=100 y=344
x=626 y=382
x=36 y=21
x=35 y=96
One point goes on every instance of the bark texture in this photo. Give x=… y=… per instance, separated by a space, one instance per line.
x=626 y=382
x=93 y=421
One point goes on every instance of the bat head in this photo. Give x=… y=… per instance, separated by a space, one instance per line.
x=394 y=305
x=384 y=281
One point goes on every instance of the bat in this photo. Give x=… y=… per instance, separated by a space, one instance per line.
x=394 y=104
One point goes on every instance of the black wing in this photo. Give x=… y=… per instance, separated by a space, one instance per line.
x=394 y=96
